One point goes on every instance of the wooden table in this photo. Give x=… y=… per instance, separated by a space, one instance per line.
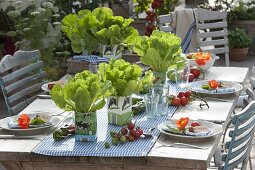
x=16 y=154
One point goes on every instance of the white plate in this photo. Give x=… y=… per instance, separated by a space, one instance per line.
x=215 y=130
x=228 y=84
x=52 y=121
x=45 y=86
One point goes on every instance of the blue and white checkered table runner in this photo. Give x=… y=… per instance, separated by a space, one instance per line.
x=138 y=148
x=90 y=58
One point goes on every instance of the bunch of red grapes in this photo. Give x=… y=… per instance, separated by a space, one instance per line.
x=151 y=17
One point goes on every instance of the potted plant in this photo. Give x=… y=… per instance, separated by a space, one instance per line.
x=159 y=51
x=239 y=44
x=126 y=80
x=242 y=15
x=85 y=94
x=89 y=29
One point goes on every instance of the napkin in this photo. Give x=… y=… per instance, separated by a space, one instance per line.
x=205 y=133
x=173 y=129
x=12 y=123
x=90 y=58
x=219 y=90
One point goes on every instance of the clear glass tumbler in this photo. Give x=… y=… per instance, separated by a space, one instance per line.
x=163 y=91
x=182 y=77
x=151 y=105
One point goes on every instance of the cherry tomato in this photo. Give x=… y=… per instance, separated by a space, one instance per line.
x=184 y=101
x=176 y=101
x=187 y=94
x=195 y=72
x=180 y=94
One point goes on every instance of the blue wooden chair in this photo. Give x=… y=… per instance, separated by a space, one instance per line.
x=238 y=148
x=21 y=78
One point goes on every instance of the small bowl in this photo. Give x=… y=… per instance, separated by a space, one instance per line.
x=208 y=64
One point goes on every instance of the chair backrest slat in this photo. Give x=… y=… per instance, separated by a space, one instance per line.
x=19 y=107
x=205 y=15
x=23 y=71
x=21 y=78
x=165 y=22
x=216 y=50
x=214 y=42
x=238 y=147
x=233 y=164
x=212 y=34
x=20 y=57
x=241 y=139
x=25 y=92
x=212 y=26
x=211 y=30
x=24 y=82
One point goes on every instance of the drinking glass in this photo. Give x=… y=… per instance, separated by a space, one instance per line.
x=182 y=76
x=162 y=90
x=151 y=105
x=93 y=67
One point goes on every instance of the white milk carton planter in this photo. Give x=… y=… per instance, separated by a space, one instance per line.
x=111 y=52
x=119 y=110
x=85 y=126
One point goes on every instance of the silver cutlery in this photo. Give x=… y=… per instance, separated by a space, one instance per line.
x=44 y=96
x=217 y=99
x=148 y=133
x=180 y=145
x=16 y=137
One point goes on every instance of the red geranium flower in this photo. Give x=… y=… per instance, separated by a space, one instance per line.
x=23 y=121
x=213 y=84
x=182 y=123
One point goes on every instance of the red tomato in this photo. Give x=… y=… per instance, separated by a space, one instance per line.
x=180 y=94
x=176 y=101
x=184 y=101
x=187 y=94
x=195 y=72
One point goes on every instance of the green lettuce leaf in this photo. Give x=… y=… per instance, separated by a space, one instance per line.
x=160 y=51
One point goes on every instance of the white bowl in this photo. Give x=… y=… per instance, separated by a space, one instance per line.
x=208 y=64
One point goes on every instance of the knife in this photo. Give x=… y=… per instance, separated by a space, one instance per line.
x=16 y=137
x=44 y=96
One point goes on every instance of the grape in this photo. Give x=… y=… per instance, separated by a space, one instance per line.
x=107 y=145
x=123 y=139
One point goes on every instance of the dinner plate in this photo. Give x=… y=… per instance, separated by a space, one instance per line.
x=197 y=87
x=215 y=129
x=51 y=122
x=45 y=86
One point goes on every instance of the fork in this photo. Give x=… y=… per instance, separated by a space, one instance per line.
x=180 y=145
x=217 y=99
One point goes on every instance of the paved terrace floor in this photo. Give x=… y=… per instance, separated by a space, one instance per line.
x=249 y=62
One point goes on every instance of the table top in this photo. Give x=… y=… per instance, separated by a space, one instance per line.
x=164 y=157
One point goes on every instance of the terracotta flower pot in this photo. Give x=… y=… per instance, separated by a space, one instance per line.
x=238 y=54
